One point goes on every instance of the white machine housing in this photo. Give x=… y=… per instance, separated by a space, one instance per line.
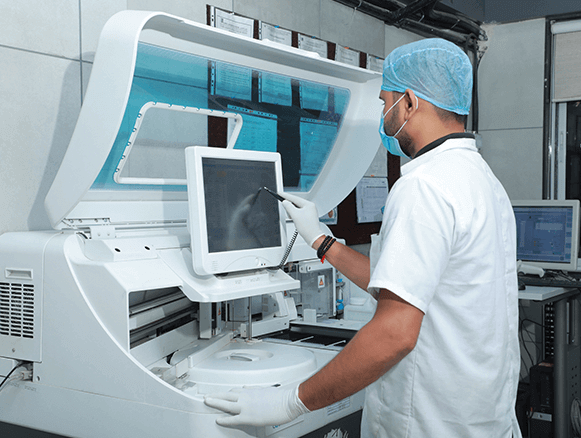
x=117 y=335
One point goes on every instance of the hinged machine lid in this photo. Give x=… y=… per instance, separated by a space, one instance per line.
x=160 y=83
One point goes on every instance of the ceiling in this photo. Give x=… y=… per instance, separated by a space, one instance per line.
x=503 y=11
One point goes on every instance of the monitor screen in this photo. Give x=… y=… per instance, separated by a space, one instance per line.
x=238 y=214
x=548 y=233
x=234 y=224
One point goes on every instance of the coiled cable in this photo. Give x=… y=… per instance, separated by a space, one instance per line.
x=288 y=250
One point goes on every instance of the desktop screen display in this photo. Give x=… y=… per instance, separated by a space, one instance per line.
x=547 y=233
x=234 y=225
x=240 y=215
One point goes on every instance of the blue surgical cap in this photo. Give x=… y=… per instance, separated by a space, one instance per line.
x=436 y=70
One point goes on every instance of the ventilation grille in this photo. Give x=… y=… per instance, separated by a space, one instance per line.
x=549 y=332
x=17 y=310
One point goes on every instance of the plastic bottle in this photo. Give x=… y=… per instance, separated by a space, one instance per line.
x=340 y=306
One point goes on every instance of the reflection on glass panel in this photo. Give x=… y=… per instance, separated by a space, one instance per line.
x=317 y=139
x=314 y=96
x=258 y=130
x=275 y=89
x=299 y=119
x=341 y=100
x=232 y=81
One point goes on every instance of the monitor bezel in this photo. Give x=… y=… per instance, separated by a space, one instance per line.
x=212 y=263
x=574 y=205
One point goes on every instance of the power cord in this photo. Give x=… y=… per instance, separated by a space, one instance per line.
x=522 y=330
x=11 y=372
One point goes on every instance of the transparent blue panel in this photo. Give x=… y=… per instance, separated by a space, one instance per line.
x=314 y=96
x=297 y=118
x=341 y=100
x=233 y=82
x=317 y=139
x=275 y=89
x=258 y=130
x=161 y=75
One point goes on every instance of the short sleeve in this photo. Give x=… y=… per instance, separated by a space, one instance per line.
x=415 y=242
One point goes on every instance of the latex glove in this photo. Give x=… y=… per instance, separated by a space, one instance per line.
x=304 y=215
x=258 y=406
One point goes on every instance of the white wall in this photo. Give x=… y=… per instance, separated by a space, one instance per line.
x=511 y=84
x=46 y=54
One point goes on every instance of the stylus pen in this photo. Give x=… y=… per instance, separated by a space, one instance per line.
x=276 y=195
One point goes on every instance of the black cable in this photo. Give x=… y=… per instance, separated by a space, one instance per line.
x=532 y=361
x=422 y=17
x=534 y=322
x=8 y=376
x=288 y=250
x=532 y=340
x=563 y=275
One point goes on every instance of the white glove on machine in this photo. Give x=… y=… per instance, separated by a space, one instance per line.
x=305 y=217
x=258 y=406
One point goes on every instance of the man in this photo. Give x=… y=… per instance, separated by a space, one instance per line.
x=440 y=358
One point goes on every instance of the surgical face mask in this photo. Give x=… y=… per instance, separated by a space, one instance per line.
x=390 y=142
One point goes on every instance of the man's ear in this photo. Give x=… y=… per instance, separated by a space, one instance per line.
x=411 y=103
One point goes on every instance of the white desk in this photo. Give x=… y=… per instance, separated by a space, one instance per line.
x=559 y=296
x=542 y=293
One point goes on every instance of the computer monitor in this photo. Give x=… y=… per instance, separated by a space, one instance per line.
x=548 y=233
x=234 y=225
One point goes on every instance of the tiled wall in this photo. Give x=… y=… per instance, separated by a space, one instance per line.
x=511 y=87
x=46 y=54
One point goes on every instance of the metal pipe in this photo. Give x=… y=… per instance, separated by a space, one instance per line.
x=456 y=20
x=438 y=22
x=411 y=9
x=475 y=112
x=561 y=425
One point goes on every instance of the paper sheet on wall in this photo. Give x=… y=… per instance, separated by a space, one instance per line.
x=313 y=45
x=276 y=34
x=347 y=56
x=378 y=167
x=314 y=96
x=233 y=23
x=341 y=100
x=374 y=63
x=317 y=137
x=370 y=195
x=233 y=81
x=275 y=89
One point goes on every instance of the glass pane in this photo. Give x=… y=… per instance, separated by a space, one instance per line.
x=158 y=149
x=299 y=119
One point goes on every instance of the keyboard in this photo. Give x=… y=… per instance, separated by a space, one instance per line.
x=550 y=281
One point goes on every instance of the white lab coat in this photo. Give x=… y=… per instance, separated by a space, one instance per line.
x=447 y=246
